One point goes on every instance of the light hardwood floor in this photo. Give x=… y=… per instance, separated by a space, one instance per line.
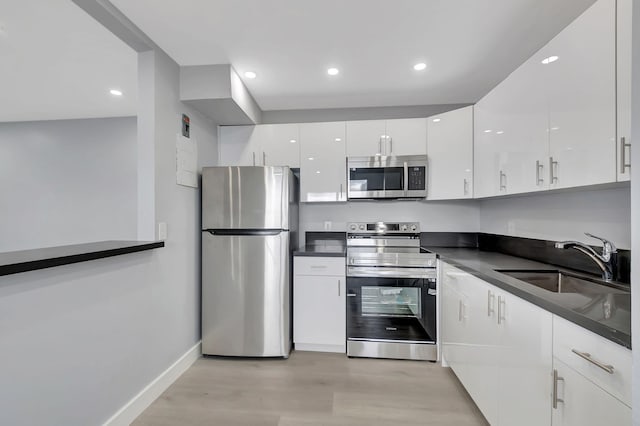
x=312 y=388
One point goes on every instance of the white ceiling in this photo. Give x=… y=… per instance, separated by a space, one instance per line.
x=59 y=63
x=469 y=45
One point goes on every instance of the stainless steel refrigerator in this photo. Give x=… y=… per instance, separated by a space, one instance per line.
x=249 y=224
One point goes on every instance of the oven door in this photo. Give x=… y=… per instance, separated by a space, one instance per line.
x=391 y=309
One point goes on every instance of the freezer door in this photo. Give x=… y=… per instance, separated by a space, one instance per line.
x=246 y=295
x=245 y=197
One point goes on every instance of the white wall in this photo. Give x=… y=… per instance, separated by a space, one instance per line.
x=455 y=216
x=77 y=342
x=561 y=216
x=67 y=182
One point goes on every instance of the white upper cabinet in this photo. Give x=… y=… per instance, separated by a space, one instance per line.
x=623 y=58
x=488 y=157
x=581 y=86
x=238 y=146
x=522 y=129
x=366 y=138
x=387 y=137
x=552 y=122
x=406 y=136
x=323 y=166
x=450 y=154
x=280 y=144
x=261 y=145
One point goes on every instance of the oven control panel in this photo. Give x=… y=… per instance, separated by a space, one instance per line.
x=383 y=227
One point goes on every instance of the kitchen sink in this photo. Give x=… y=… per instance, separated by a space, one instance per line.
x=562 y=282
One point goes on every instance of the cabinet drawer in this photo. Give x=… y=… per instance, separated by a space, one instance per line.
x=569 y=337
x=310 y=265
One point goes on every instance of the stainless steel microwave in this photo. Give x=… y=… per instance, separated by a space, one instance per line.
x=387 y=177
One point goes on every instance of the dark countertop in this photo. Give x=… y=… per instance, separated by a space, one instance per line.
x=14 y=262
x=585 y=310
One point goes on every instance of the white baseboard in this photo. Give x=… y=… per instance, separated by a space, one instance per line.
x=132 y=409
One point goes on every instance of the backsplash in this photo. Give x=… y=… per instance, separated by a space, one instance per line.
x=545 y=251
x=539 y=250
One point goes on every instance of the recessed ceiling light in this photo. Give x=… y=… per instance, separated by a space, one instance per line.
x=293 y=141
x=310 y=158
x=333 y=71
x=499 y=132
x=436 y=120
x=338 y=139
x=487 y=131
x=115 y=92
x=250 y=74
x=549 y=60
x=420 y=66
x=318 y=172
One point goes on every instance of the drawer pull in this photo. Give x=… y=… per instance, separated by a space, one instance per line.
x=318 y=266
x=456 y=275
x=585 y=355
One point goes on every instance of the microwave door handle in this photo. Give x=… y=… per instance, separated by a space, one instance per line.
x=406 y=178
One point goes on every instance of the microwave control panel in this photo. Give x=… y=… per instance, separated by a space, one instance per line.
x=417 y=178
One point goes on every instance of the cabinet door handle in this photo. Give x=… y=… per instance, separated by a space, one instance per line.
x=503 y=185
x=390 y=145
x=539 y=168
x=585 y=355
x=490 y=299
x=264 y=158
x=460 y=310
x=501 y=306
x=340 y=194
x=623 y=155
x=254 y=158
x=465 y=186
x=380 y=145
x=338 y=287
x=554 y=393
x=552 y=178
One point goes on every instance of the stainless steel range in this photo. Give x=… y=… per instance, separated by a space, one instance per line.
x=391 y=292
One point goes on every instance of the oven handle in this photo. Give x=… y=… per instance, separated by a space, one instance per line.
x=406 y=178
x=374 y=272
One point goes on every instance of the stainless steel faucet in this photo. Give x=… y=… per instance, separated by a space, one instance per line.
x=607 y=261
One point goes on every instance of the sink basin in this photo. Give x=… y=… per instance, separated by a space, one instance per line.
x=562 y=282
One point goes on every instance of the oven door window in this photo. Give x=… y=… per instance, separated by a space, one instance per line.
x=376 y=179
x=404 y=302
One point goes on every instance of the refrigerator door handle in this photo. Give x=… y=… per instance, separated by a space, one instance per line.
x=244 y=232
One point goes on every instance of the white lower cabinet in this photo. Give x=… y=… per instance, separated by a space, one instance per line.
x=583 y=403
x=525 y=357
x=523 y=365
x=593 y=385
x=499 y=346
x=319 y=308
